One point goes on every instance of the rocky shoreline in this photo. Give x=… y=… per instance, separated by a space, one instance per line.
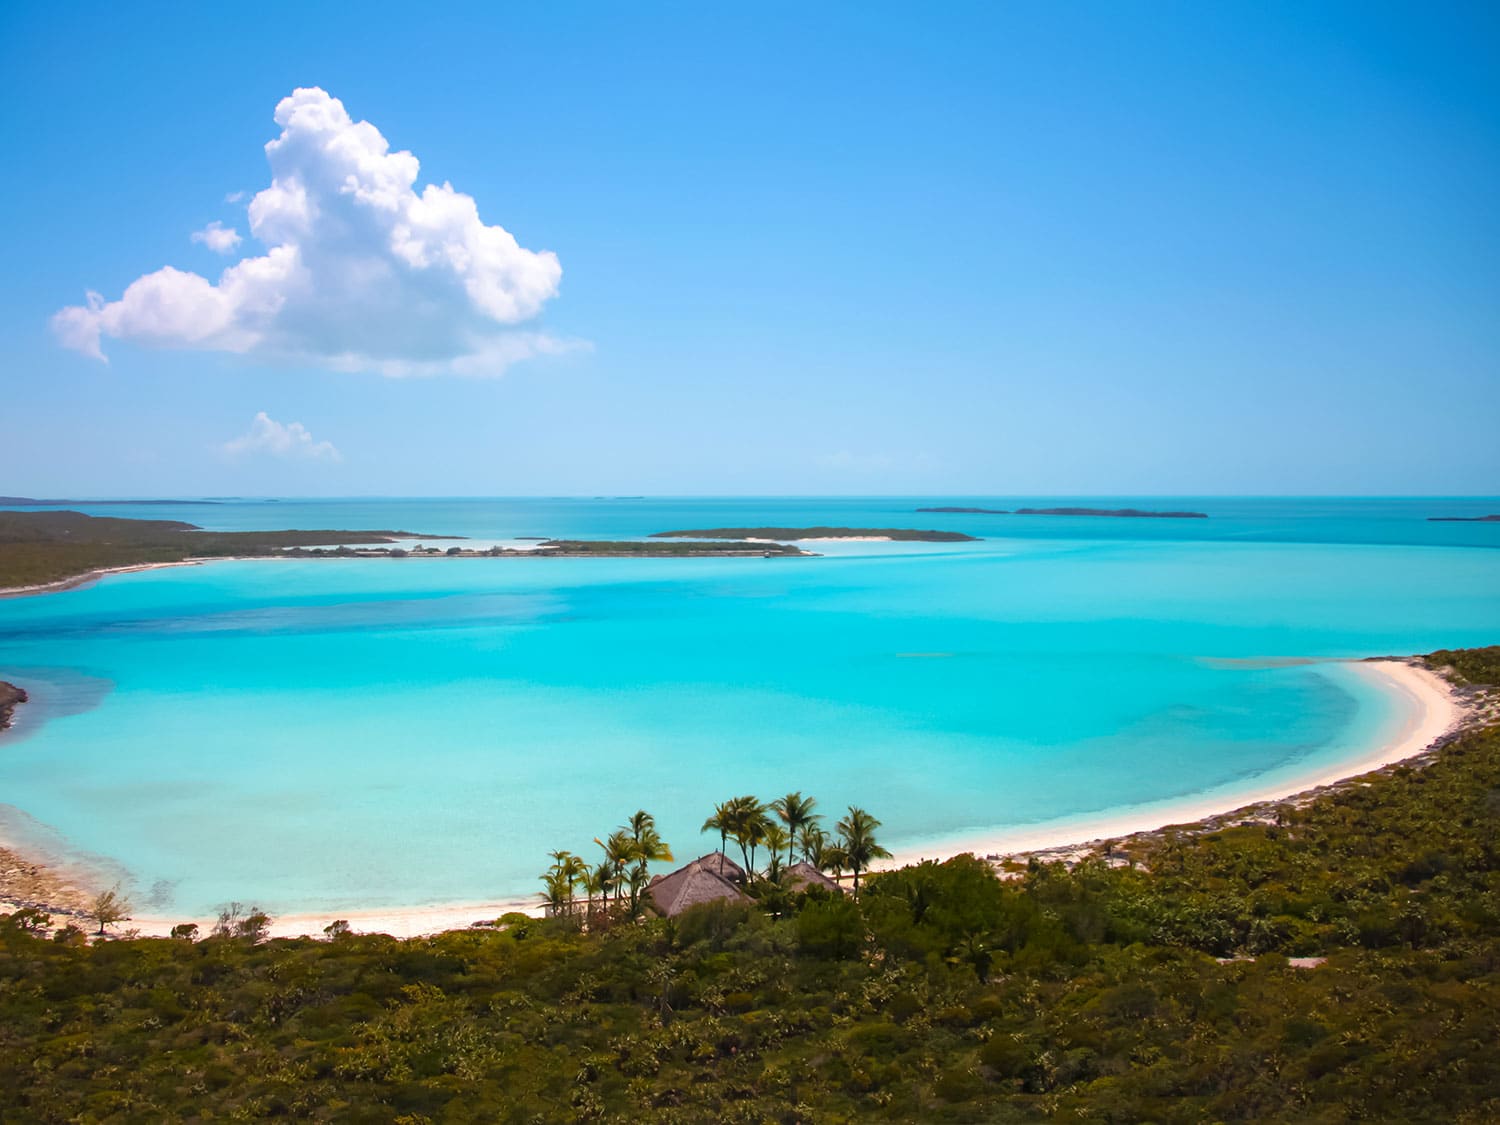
x=11 y=697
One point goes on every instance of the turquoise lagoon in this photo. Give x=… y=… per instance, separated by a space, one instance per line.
x=329 y=735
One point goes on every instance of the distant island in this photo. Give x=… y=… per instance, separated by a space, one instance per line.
x=58 y=549
x=896 y=534
x=30 y=502
x=1117 y=513
x=1463 y=519
x=40 y=548
x=971 y=511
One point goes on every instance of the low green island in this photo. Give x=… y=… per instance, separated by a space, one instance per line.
x=896 y=534
x=1333 y=958
x=41 y=549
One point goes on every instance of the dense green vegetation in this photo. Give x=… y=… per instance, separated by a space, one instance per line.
x=901 y=534
x=1153 y=985
x=38 y=547
x=1473 y=665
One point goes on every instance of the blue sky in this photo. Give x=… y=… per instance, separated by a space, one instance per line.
x=779 y=248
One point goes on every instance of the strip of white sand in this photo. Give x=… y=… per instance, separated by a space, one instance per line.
x=89 y=578
x=1427 y=710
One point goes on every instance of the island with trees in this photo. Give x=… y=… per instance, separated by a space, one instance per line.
x=42 y=549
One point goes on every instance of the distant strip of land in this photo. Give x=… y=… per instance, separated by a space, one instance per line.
x=971 y=511
x=32 y=502
x=1463 y=519
x=1117 y=513
x=635 y=548
x=895 y=534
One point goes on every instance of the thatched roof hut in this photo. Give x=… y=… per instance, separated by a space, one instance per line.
x=721 y=864
x=803 y=876
x=696 y=883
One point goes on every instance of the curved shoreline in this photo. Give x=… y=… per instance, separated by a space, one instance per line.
x=1432 y=711
x=90 y=577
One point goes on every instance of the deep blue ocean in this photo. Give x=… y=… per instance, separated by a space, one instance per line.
x=326 y=734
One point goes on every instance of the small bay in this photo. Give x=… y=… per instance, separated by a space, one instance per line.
x=332 y=734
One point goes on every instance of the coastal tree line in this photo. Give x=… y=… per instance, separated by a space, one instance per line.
x=784 y=831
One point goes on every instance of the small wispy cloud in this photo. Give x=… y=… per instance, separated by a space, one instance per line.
x=289 y=440
x=235 y=197
x=218 y=238
x=855 y=462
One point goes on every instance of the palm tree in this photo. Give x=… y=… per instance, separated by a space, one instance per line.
x=812 y=840
x=594 y=881
x=777 y=838
x=721 y=822
x=604 y=876
x=857 y=831
x=619 y=849
x=648 y=846
x=744 y=815
x=556 y=894
x=795 y=811
x=834 y=857
x=569 y=869
x=756 y=828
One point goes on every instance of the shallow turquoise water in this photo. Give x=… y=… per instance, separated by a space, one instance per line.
x=326 y=734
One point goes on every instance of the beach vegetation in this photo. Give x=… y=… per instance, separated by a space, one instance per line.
x=857 y=837
x=796 y=812
x=1472 y=665
x=109 y=907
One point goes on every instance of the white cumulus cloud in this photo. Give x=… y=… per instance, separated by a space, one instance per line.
x=218 y=238
x=362 y=271
x=289 y=440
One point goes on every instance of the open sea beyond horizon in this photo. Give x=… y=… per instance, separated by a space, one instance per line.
x=326 y=735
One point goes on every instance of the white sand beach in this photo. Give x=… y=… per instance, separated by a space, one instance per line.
x=1429 y=710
